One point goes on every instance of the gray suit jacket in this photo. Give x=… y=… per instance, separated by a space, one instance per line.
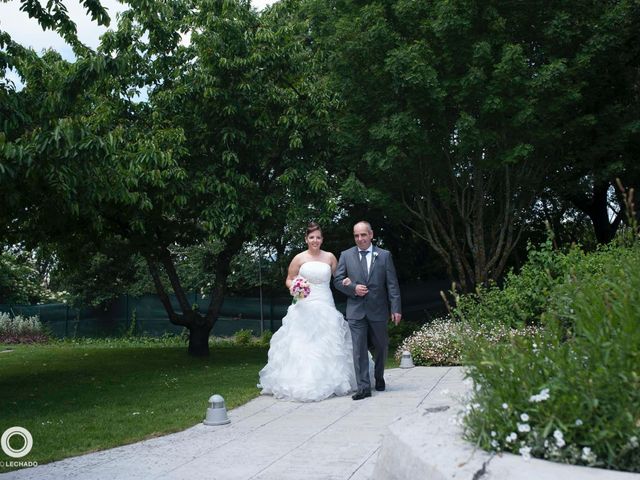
x=384 y=293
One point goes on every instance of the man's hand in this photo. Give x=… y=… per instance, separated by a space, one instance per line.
x=361 y=290
x=396 y=317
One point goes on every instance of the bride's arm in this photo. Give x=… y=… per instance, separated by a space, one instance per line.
x=333 y=262
x=292 y=273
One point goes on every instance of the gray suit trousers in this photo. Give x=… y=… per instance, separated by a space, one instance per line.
x=366 y=333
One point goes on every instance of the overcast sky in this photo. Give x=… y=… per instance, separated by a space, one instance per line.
x=27 y=32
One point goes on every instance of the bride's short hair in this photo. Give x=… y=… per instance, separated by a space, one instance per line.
x=313 y=227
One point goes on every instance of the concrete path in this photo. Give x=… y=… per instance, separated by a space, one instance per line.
x=269 y=439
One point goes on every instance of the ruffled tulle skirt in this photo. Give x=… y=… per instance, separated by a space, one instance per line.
x=310 y=357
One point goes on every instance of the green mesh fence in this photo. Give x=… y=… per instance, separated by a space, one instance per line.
x=146 y=316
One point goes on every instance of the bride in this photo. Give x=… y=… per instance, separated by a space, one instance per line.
x=310 y=357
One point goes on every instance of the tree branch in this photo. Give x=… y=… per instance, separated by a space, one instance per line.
x=162 y=294
x=169 y=267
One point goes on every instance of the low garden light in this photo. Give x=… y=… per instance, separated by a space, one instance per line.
x=406 y=361
x=217 y=412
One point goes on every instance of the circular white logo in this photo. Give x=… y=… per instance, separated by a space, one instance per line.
x=21 y=432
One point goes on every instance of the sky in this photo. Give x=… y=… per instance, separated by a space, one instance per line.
x=27 y=32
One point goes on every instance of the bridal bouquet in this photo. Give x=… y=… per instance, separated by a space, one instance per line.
x=300 y=289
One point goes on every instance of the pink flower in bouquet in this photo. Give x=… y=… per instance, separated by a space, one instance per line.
x=299 y=289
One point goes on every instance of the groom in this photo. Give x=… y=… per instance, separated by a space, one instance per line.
x=372 y=295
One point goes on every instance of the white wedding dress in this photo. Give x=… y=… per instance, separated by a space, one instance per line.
x=310 y=357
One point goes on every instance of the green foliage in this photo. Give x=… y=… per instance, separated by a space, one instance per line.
x=397 y=333
x=226 y=146
x=436 y=343
x=97 y=278
x=265 y=338
x=426 y=90
x=442 y=341
x=523 y=297
x=243 y=337
x=19 y=329
x=571 y=393
x=20 y=282
x=489 y=107
x=54 y=16
x=154 y=153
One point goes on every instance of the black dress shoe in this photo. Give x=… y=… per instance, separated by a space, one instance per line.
x=361 y=394
x=380 y=386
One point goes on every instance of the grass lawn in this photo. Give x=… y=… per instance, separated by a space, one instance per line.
x=81 y=398
x=77 y=398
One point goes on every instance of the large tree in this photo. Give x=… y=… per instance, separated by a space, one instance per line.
x=459 y=115
x=436 y=119
x=227 y=140
x=589 y=102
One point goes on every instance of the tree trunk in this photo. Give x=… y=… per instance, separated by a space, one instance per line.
x=472 y=225
x=202 y=325
x=199 y=331
x=597 y=209
x=199 y=325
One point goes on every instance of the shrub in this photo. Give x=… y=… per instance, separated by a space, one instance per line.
x=243 y=337
x=397 y=333
x=441 y=341
x=436 y=343
x=165 y=340
x=19 y=329
x=571 y=392
x=265 y=338
x=523 y=296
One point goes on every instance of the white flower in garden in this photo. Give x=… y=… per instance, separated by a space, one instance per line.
x=525 y=452
x=588 y=456
x=493 y=433
x=559 y=438
x=505 y=406
x=524 y=417
x=633 y=442
x=540 y=397
x=524 y=427
x=494 y=443
x=512 y=437
x=578 y=422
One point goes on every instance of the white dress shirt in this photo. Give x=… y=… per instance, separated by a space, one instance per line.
x=369 y=257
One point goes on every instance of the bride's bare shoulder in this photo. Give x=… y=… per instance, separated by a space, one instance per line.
x=298 y=260
x=329 y=258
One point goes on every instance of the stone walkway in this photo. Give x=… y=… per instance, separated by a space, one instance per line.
x=268 y=439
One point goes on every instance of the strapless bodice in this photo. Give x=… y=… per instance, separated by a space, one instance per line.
x=316 y=272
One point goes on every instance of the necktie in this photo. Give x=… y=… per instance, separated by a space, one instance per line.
x=363 y=261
